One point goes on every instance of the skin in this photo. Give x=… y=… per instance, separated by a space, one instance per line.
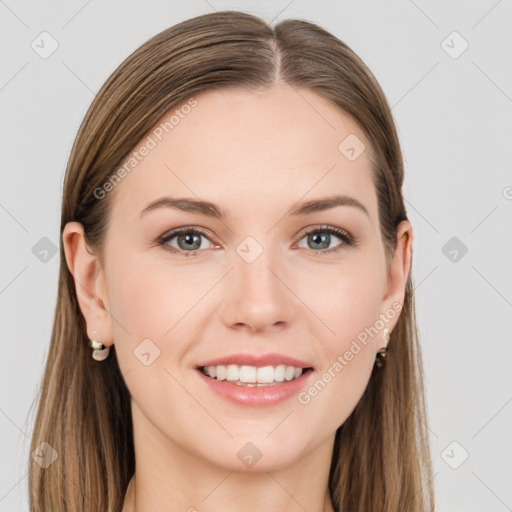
x=255 y=154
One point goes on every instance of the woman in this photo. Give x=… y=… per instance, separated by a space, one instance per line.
x=235 y=256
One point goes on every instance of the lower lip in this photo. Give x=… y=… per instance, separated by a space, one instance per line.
x=256 y=396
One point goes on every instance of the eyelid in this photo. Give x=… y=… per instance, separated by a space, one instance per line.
x=323 y=227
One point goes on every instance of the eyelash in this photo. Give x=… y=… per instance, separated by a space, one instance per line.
x=348 y=240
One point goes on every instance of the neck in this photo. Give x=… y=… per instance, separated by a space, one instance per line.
x=136 y=503
x=167 y=473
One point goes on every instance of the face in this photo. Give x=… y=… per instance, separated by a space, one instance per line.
x=261 y=286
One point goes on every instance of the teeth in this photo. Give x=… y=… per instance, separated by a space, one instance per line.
x=247 y=374
x=265 y=375
x=221 y=372
x=253 y=374
x=279 y=373
x=232 y=372
x=289 y=373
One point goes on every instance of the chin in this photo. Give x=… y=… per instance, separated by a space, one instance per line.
x=257 y=454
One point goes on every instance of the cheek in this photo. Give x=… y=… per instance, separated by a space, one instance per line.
x=348 y=350
x=148 y=297
x=149 y=304
x=351 y=313
x=141 y=307
x=156 y=309
x=350 y=301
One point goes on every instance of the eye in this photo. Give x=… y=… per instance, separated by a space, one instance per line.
x=188 y=240
x=321 y=238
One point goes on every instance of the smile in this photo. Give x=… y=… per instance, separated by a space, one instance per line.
x=251 y=376
x=255 y=380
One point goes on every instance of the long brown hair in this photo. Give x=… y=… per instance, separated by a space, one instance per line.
x=381 y=458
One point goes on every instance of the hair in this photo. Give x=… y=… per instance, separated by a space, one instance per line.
x=381 y=457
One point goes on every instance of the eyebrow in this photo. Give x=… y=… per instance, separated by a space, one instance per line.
x=212 y=210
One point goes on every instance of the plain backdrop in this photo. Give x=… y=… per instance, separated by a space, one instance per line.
x=446 y=70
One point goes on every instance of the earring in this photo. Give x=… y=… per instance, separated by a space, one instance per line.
x=100 y=352
x=380 y=358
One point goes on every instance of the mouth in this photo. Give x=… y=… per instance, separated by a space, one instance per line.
x=254 y=376
x=255 y=380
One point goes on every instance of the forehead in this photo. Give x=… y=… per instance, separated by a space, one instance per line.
x=248 y=149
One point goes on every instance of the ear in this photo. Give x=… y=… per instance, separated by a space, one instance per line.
x=89 y=283
x=398 y=273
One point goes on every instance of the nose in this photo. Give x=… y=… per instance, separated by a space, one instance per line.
x=257 y=296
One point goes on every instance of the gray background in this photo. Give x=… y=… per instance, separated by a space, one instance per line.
x=453 y=114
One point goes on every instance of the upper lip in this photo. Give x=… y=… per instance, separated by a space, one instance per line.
x=256 y=360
